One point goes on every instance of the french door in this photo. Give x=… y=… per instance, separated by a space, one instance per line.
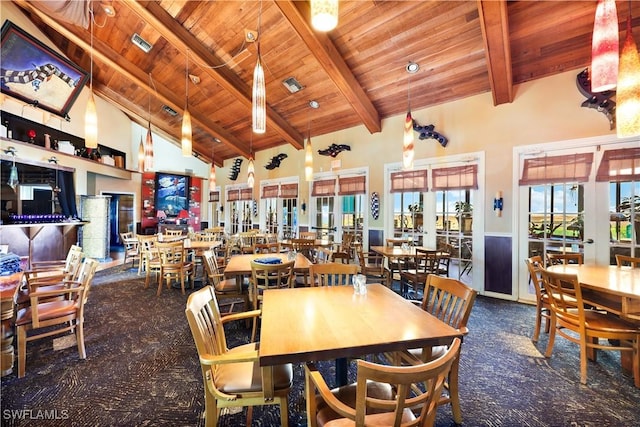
x=583 y=197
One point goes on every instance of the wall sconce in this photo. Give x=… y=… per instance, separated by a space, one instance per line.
x=303 y=206
x=498 y=203
x=53 y=159
x=10 y=150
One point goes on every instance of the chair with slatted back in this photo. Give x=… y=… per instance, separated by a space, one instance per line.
x=225 y=288
x=585 y=326
x=131 y=251
x=344 y=251
x=308 y=235
x=149 y=257
x=383 y=395
x=174 y=265
x=51 y=278
x=332 y=274
x=543 y=310
x=231 y=376
x=45 y=317
x=266 y=248
x=268 y=276
x=169 y=232
x=568 y=258
x=451 y=301
x=626 y=260
x=415 y=269
x=372 y=266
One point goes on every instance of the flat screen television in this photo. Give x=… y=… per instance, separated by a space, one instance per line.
x=37 y=75
x=172 y=193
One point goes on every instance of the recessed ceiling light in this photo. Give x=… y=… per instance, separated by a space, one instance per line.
x=412 y=67
x=314 y=104
x=108 y=9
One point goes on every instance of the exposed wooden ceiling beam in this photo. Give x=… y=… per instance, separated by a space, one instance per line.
x=104 y=54
x=495 y=33
x=328 y=56
x=154 y=15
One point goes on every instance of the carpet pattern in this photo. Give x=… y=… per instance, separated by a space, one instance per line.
x=142 y=370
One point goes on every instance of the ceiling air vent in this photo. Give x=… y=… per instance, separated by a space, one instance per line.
x=292 y=85
x=170 y=111
x=141 y=43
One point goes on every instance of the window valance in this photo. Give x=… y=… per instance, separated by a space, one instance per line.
x=409 y=181
x=557 y=169
x=455 y=178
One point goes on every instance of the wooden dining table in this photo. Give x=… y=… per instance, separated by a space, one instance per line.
x=332 y=322
x=615 y=289
x=239 y=266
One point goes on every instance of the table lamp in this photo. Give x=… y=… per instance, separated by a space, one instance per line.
x=183 y=215
x=161 y=216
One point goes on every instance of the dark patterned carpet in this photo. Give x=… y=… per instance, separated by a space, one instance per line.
x=142 y=370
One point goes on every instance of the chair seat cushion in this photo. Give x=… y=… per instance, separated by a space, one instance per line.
x=385 y=419
x=247 y=376
x=46 y=311
x=436 y=352
x=347 y=395
x=227 y=286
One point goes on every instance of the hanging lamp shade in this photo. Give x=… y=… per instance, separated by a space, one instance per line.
x=407 y=147
x=186 y=133
x=324 y=14
x=141 y=158
x=91 y=124
x=605 y=47
x=212 y=177
x=148 y=150
x=628 y=91
x=308 y=161
x=250 y=173
x=259 y=113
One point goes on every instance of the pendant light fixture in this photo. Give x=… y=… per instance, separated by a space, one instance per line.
x=91 y=116
x=141 y=158
x=186 y=118
x=212 y=172
x=259 y=94
x=604 y=47
x=628 y=90
x=308 y=160
x=408 y=143
x=308 y=157
x=148 y=146
x=251 y=168
x=324 y=14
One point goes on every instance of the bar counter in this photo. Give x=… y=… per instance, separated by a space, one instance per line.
x=41 y=241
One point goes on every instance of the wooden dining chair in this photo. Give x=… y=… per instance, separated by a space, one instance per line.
x=383 y=395
x=172 y=232
x=585 y=326
x=626 y=260
x=451 y=301
x=266 y=248
x=149 y=257
x=415 y=269
x=131 y=251
x=49 y=279
x=174 y=265
x=232 y=377
x=372 y=266
x=570 y=258
x=268 y=276
x=45 y=317
x=224 y=288
x=543 y=309
x=308 y=235
x=332 y=274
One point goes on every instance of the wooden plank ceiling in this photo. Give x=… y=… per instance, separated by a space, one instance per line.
x=356 y=72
